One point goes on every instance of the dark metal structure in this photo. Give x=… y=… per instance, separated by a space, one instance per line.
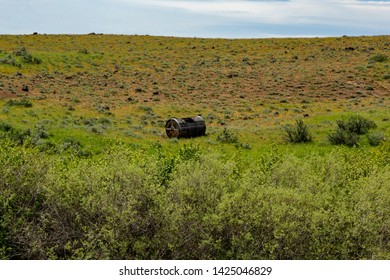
x=185 y=127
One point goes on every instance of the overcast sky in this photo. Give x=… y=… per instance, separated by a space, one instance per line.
x=204 y=18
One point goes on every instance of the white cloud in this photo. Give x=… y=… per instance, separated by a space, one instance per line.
x=203 y=18
x=286 y=12
x=341 y=14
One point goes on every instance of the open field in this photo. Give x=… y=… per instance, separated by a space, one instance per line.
x=87 y=172
x=136 y=83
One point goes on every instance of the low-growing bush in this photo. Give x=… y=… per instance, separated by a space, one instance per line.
x=17 y=136
x=5 y=127
x=227 y=136
x=343 y=137
x=189 y=152
x=375 y=138
x=32 y=137
x=356 y=124
x=24 y=102
x=9 y=60
x=379 y=58
x=298 y=133
x=26 y=57
x=348 y=131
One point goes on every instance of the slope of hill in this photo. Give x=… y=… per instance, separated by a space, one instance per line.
x=239 y=83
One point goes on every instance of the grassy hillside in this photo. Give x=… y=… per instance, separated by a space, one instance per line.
x=87 y=172
x=135 y=83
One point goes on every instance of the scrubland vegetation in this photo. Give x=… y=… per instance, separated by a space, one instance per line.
x=295 y=163
x=129 y=203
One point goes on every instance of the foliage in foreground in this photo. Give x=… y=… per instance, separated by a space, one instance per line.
x=195 y=204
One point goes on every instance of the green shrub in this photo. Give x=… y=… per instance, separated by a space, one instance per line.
x=9 y=60
x=379 y=58
x=24 y=102
x=227 y=136
x=26 y=56
x=356 y=124
x=5 y=127
x=22 y=172
x=297 y=134
x=18 y=136
x=348 y=131
x=189 y=152
x=71 y=144
x=371 y=213
x=343 y=137
x=21 y=51
x=375 y=138
x=193 y=195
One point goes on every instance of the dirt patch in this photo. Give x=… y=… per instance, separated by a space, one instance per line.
x=5 y=95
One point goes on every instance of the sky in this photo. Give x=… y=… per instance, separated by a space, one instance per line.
x=202 y=19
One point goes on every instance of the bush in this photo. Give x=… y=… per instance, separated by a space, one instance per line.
x=227 y=136
x=375 y=138
x=347 y=132
x=26 y=56
x=189 y=152
x=22 y=172
x=379 y=58
x=343 y=137
x=71 y=144
x=356 y=124
x=9 y=60
x=5 y=127
x=17 y=136
x=372 y=210
x=24 y=102
x=21 y=51
x=297 y=134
